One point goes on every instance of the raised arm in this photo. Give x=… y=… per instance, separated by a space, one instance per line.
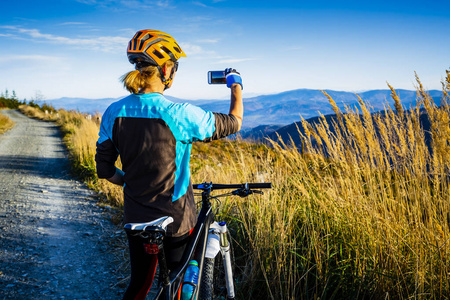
x=234 y=82
x=236 y=104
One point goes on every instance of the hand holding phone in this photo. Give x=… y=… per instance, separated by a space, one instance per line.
x=233 y=76
x=228 y=76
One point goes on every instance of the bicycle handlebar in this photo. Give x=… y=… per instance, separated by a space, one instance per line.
x=203 y=186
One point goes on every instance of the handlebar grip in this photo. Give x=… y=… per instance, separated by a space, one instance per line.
x=264 y=185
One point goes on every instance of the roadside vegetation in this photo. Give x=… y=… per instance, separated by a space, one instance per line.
x=361 y=211
x=7 y=101
x=5 y=123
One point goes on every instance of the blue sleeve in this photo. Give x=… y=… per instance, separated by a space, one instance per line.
x=106 y=153
x=195 y=123
x=105 y=132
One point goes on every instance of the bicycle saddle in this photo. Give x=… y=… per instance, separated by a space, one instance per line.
x=158 y=225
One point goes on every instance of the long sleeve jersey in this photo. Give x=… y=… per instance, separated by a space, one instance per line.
x=153 y=137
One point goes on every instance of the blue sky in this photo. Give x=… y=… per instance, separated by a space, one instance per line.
x=77 y=48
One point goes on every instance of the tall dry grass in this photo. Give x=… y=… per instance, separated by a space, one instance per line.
x=362 y=211
x=5 y=123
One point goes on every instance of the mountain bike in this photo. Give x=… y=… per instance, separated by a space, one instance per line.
x=207 y=239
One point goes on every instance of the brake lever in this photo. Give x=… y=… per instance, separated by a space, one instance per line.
x=244 y=192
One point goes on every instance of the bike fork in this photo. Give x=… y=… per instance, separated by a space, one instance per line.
x=225 y=251
x=220 y=230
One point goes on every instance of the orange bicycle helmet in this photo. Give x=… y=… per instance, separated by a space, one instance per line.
x=153 y=47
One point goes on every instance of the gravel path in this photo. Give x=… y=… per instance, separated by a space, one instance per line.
x=54 y=239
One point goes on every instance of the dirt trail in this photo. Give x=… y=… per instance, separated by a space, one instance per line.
x=54 y=239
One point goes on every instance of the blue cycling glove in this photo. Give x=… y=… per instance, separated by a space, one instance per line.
x=233 y=76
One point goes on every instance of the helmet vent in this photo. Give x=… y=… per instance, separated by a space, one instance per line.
x=144 y=38
x=159 y=55
x=167 y=51
x=136 y=38
x=177 y=49
x=141 y=44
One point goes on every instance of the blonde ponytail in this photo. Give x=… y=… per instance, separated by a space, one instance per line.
x=136 y=80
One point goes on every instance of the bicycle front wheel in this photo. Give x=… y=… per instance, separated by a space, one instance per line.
x=207 y=284
x=213 y=284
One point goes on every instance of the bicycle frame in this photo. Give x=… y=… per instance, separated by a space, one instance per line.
x=170 y=283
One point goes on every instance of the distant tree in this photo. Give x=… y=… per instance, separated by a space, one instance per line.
x=448 y=80
x=37 y=96
x=7 y=101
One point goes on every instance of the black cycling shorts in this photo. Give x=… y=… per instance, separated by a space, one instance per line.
x=143 y=265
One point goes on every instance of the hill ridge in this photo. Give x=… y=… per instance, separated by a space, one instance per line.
x=282 y=108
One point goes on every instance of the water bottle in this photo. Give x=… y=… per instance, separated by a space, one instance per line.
x=190 y=280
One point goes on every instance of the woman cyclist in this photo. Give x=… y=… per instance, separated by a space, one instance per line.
x=153 y=137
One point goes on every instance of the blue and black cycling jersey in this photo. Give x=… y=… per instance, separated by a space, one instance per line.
x=153 y=137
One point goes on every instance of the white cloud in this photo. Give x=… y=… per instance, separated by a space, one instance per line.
x=34 y=57
x=234 y=60
x=198 y=3
x=72 y=23
x=129 y=4
x=196 y=50
x=139 y=4
x=29 y=58
x=97 y=2
x=33 y=65
x=100 y=43
x=294 y=48
x=197 y=19
x=208 y=41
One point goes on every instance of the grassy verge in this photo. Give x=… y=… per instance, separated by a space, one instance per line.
x=5 y=123
x=362 y=212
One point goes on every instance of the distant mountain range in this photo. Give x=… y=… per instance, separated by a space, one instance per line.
x=292 y=133
x=271 y=112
